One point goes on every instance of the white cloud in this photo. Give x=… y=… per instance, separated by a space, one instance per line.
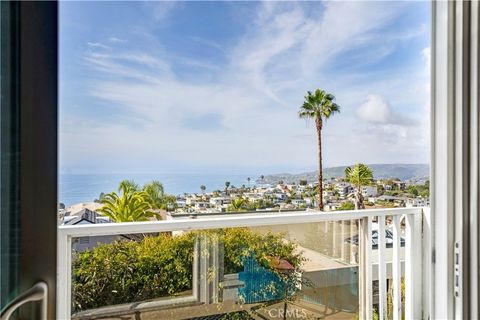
x=377 y=110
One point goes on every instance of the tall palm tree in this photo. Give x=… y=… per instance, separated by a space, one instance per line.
x=203 y=188
x=227 y=184
x=320 y=106
x=248 y=179
x=359 y=175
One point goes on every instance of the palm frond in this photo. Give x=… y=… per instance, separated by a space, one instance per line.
x=318 y=104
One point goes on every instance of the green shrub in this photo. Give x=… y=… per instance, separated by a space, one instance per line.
x=131 y=271
x=348 y=205
x=128 y=271
x=242 y=242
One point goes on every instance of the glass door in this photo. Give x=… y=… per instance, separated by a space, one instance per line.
x=28 y=160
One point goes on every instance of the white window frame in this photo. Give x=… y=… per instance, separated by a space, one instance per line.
x=453 y=272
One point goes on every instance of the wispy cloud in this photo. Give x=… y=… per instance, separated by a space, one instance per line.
x=116 y=40
x=243 y=111
x=161 y=9
x=97 y=45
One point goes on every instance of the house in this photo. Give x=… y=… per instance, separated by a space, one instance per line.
x=86 y=216
x=181 y=202
x=309 y=201
x=201 y=205
x=400 y=185
x=417 y=202
x=398 y=201
x=219 y=201
x=279 y=197
x=332 y=206
x=343 y=189
x=369 y=191
x=299 y=202
x=191 y=200
x=252 y=196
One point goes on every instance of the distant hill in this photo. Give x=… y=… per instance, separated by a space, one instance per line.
x=380 y=171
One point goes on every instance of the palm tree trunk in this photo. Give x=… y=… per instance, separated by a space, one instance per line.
x=359 y=201
x=318 y=123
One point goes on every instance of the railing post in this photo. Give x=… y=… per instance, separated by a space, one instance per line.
x=413 y=260
x=397 y=269
x=342 y=241
x=365 y=268
x=196 y=269
x=352 y=234
x=427 y=273
x=215 y=270
x=64 y=275
x=334 y=239
x=382 y=272
x=203 y=269
x=209 y=269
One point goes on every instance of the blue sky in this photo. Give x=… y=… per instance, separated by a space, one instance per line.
x=216 y=86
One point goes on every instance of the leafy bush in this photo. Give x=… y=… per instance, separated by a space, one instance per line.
x=240 y=243
x=130 y=271
x=346 y=206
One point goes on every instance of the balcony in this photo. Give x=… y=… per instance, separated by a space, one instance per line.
x=297 y=265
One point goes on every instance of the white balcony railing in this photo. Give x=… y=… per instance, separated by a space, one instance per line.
x=410 y=220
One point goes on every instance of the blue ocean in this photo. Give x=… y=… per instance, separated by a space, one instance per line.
x=77 y=188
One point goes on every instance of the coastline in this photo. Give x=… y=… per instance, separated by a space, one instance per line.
x=81 y=188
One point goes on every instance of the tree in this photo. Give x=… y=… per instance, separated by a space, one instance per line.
x=99 y=197
x=238 y=204
x=128 y=207
x=169 y=202
x=127 y=185
x=227 y=184
x=359 y=175
x=413 y=191
x=262 y=177
x=133 y=203
x=248 y=179
x=320 y=106
x=155 y=194
x=203 y=188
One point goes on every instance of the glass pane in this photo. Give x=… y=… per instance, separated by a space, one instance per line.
x=311 y=269
x=9 y=175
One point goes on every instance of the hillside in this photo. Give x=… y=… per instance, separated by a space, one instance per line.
x=380 y=171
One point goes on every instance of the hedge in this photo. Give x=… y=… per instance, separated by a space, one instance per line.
x=158 y=266
x=129 y=271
